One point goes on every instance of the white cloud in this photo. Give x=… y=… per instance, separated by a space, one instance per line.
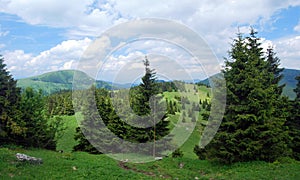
x=80 y=17
x=288 y=51
x=62 y=56
x=4 y=33
x=90 y=17
x=297 y=28
x=215 y=21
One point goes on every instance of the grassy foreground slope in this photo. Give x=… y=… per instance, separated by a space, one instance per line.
x=81 y=165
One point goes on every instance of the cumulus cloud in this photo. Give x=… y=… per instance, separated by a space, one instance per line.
x=288 y=51
x=63 y=56
x=297 y=28
x=85 y=17
x=79 y=17
x=215 y=21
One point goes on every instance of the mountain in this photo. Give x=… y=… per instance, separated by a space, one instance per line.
x=58 y=81
x=288 y=79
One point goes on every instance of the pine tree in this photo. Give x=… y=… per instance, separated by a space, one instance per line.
x=250 y=129
x=10 y=122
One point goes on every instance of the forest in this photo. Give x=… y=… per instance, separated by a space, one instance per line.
x=260 y=124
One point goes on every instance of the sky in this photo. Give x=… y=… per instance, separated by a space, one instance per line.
x=38 y=36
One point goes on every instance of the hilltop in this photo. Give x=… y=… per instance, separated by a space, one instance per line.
x=56 y=81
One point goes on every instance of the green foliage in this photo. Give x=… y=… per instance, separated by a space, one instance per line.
x=40 y=131
x=60 y=104
x=297 y=89
x=293 y=122
x=10 y=122
x=200 y=152
x=83 y=144
x=273 y=63
x=251 y=128
x=22 y=117
x=177 y=153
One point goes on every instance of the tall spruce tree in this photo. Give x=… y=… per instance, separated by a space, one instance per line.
x=297 y=89
x=10 y=124
x=250 y=129
x=273 y=63
x=145 y=91
x=144 y=100
x=293 y=122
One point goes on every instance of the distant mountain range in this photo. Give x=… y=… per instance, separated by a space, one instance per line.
x=63 y=80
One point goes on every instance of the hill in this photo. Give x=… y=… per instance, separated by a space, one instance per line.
x=290 y=81
x=58 y=81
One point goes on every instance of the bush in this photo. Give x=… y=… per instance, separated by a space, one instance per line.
x=200 y=152
x=177 y=153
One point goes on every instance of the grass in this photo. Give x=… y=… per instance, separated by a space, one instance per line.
x=81 y=165
x=62 y=166
x=67 y=142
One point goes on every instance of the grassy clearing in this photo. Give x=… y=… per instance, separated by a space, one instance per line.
x=67 y=142
x=62 y=166
x=81 y=165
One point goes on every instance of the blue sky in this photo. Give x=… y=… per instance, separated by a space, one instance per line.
x=47 y=35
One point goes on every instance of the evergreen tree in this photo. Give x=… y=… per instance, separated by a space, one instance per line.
x=60 y=104
x=297 y=89
x=293 y=122
x=145 y=91
x=10 y=122
x=99 y=122
x=251 y=129
x=146 y=100
x=273 y=63
x=40 y=130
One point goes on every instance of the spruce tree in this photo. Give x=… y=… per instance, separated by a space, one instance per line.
x=297 y=89
x=251 y=129
x=40 y=130
x=10 y=122
x=273 y=63
x=293 y=122
x=95 y=133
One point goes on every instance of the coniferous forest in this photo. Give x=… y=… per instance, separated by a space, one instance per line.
x=260 y=124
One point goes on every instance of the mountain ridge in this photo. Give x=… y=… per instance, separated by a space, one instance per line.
x=289 y=76
x=56 y=81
